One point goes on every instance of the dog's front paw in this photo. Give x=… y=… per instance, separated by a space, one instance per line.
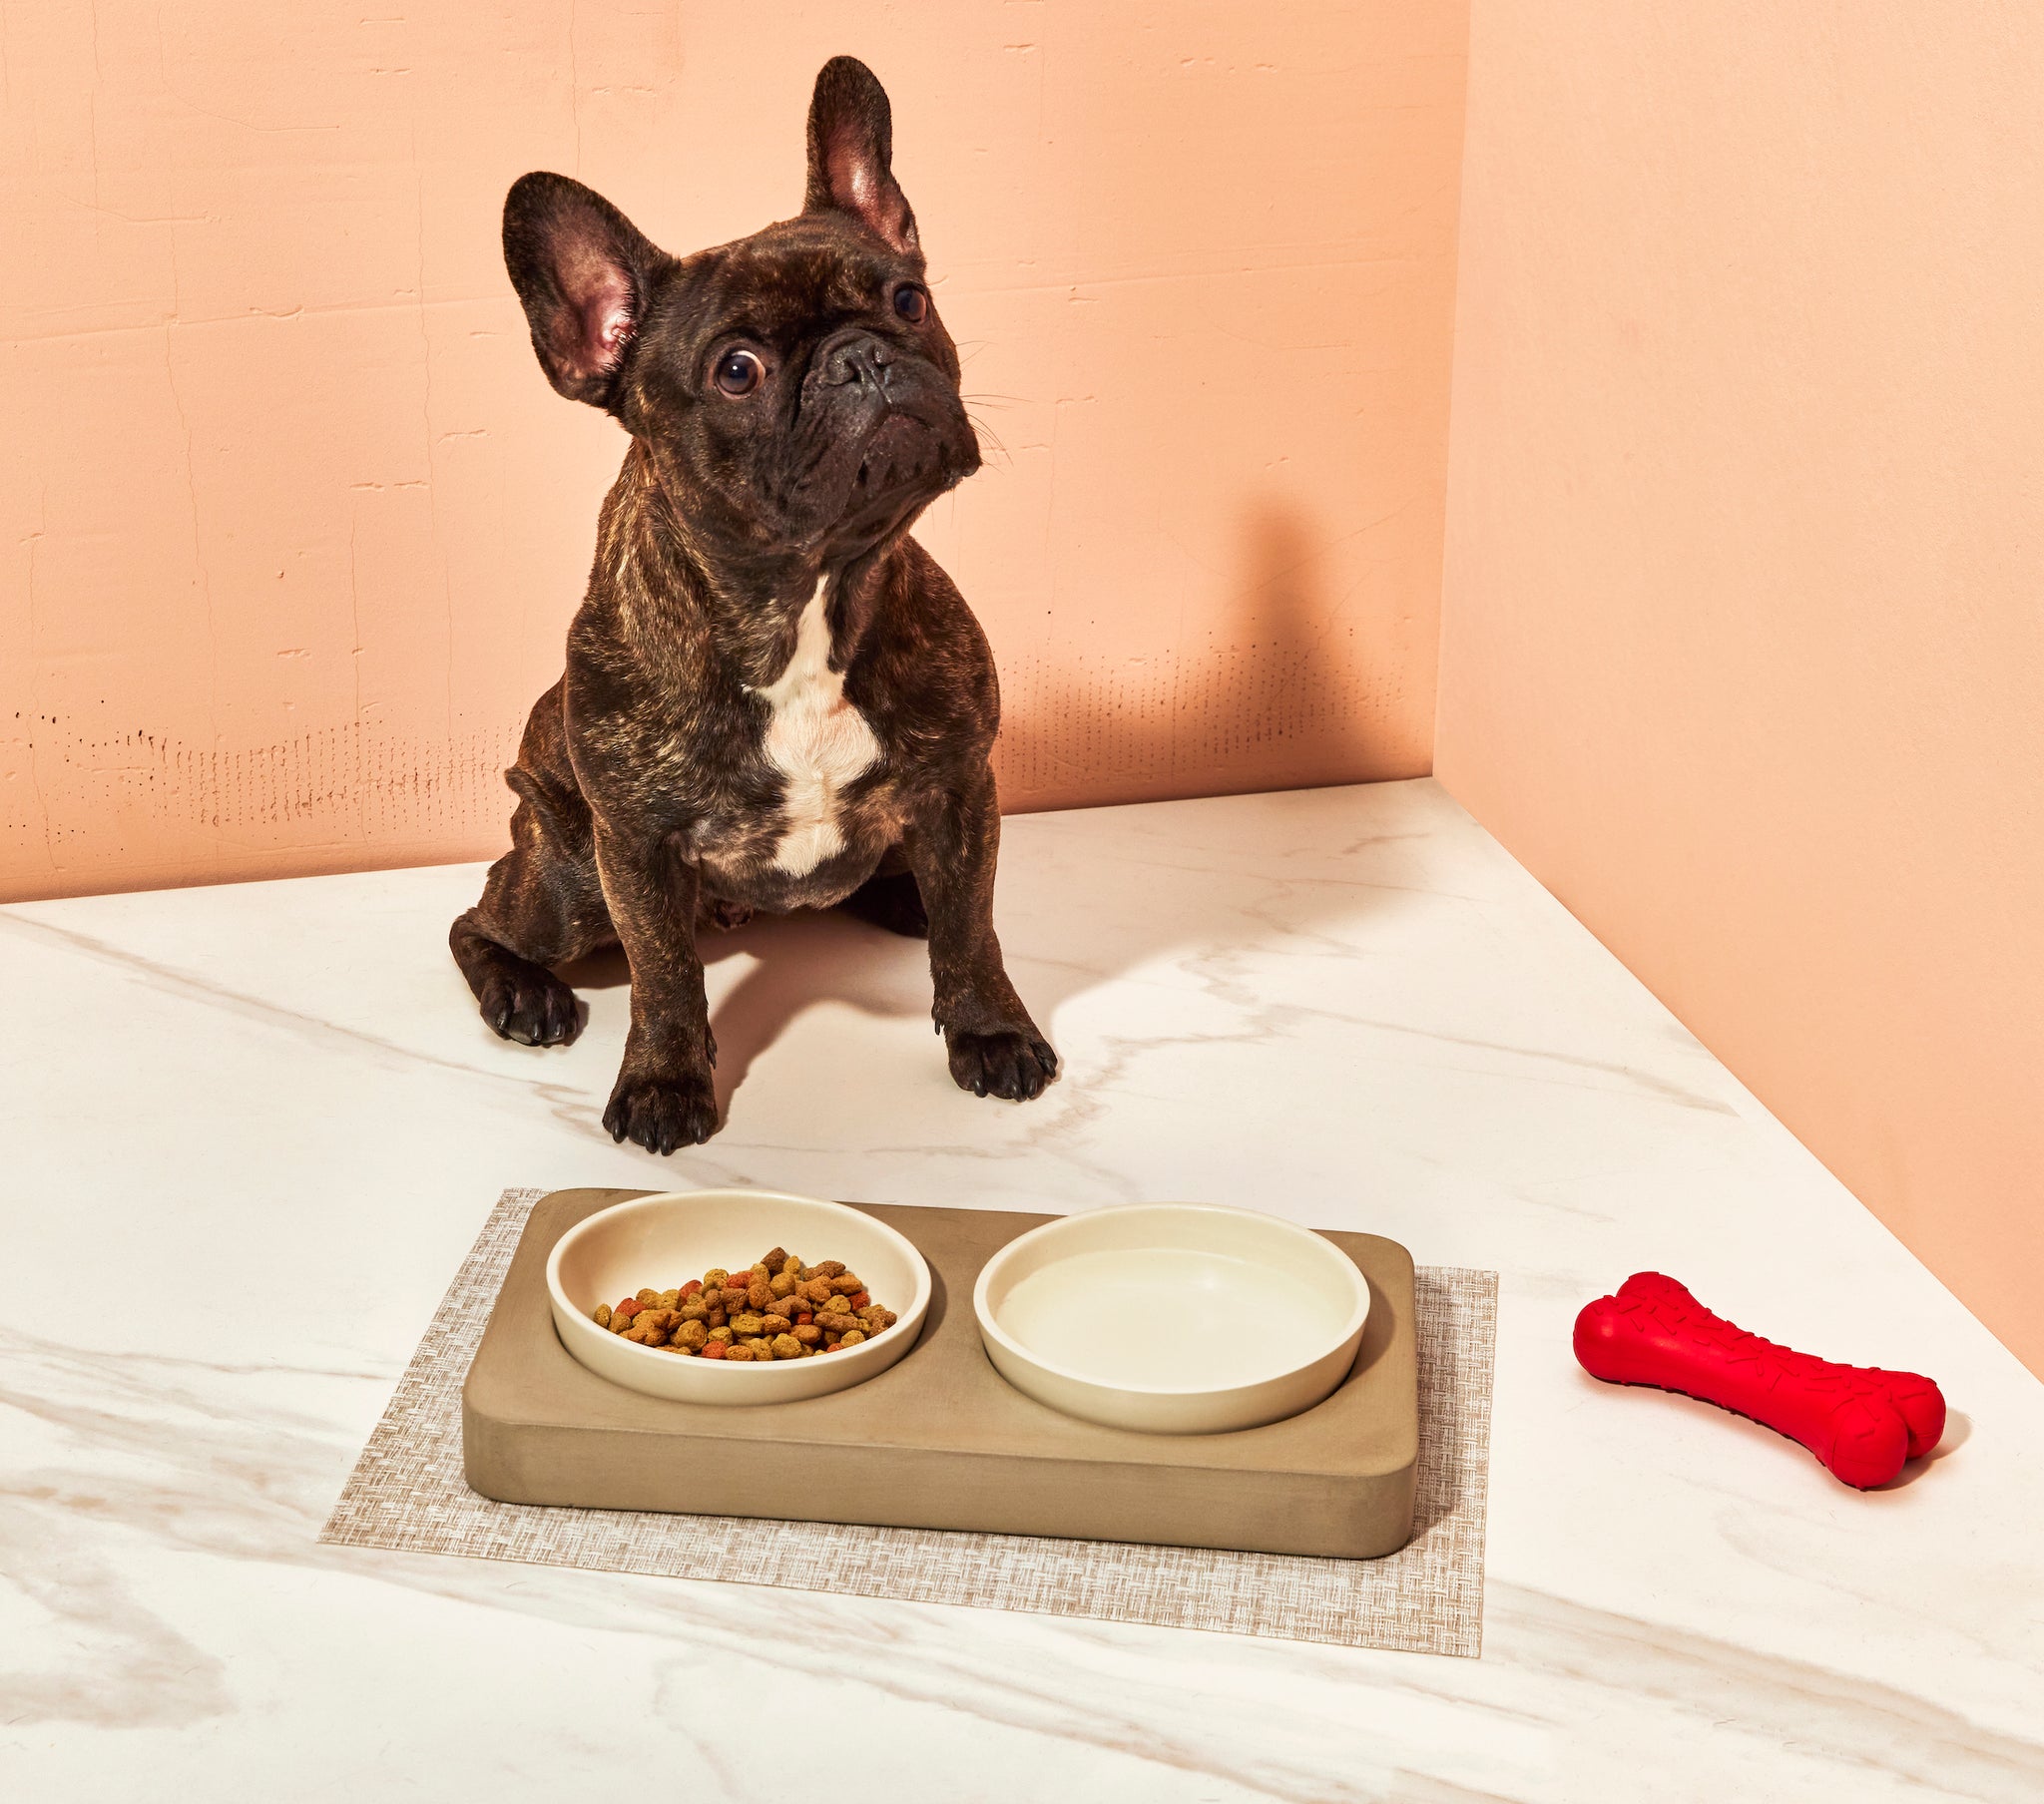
x=661 y=1114
x=529 y=1003
x=1014 y=1062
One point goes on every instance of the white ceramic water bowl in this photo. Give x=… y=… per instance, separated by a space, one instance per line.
x=664 y=1242
x=1176 y=1318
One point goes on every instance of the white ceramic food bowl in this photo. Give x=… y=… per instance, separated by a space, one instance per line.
x=1176 y=1318
x=664 y=1242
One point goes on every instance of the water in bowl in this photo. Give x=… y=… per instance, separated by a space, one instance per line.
x=1168 y=1319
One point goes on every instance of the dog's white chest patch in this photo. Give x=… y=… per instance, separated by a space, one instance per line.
x=818 y=742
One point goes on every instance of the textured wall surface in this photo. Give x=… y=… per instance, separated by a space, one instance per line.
x=292 y=525
x=1743 y=651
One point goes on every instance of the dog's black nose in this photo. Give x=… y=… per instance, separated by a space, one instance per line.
x=856 y=358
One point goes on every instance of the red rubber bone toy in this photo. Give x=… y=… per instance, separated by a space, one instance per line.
x=1860 y=1420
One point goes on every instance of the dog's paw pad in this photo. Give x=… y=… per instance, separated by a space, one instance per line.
x=1010 y=1063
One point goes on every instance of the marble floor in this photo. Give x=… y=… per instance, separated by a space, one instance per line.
x=251 y=1130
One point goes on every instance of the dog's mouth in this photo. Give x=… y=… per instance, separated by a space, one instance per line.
x=903 y=456
x=884 y=458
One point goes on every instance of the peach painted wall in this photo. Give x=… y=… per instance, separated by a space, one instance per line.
x=1744 y=647
x=292 y=525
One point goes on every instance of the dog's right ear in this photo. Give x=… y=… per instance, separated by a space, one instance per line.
x=584 y=272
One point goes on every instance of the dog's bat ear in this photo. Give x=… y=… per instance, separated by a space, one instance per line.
x=583 y=271
x=852 y=148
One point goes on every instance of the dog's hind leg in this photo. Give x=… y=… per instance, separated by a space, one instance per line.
x=542 y=905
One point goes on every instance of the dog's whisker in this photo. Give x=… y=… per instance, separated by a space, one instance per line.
x=989 y=438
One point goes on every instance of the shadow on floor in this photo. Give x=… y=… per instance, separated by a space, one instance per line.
x=1283 y=611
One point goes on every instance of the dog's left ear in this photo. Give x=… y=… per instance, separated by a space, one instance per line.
x=852 y=148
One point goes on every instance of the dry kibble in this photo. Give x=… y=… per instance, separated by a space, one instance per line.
x=779 y=1309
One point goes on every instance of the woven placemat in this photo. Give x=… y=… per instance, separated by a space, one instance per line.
x=407 y=1492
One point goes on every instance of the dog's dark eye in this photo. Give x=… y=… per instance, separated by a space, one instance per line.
x=912 y=303
x=739 y=373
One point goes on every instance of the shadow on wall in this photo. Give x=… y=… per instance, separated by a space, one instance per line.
x=1276 y=697
x=1277 y=694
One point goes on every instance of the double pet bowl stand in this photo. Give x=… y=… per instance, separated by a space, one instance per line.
x=940 y=1439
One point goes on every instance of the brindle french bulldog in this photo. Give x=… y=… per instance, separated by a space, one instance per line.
x=774 y=697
